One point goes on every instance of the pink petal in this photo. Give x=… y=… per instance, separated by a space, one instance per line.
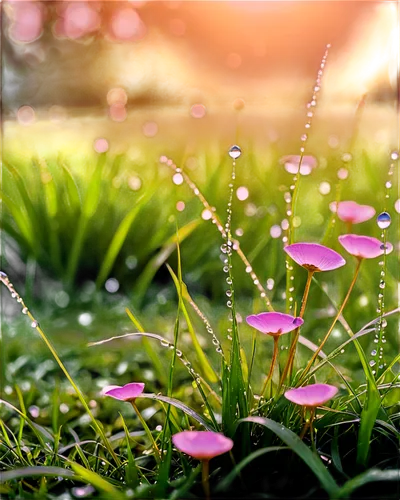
x=202 y=444
x=350 y=211
x=364 y=247
x=126 y=392
x=314 y=256
x=312 y=395
x=273 y=322
x=291 y=164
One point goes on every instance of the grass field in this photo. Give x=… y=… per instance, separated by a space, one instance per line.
x=86 y=240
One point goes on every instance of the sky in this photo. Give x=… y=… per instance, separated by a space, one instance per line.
x=181 y=53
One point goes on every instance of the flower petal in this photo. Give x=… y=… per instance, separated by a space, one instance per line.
x=364 y=247
x=350 y=211
x=126 y=392
x=202 y=444
x=312 y=395
x=314 y=256
x=274 y=322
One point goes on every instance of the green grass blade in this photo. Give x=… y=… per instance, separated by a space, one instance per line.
x=168 y=427
x=369 y=476
x=293 y=441
x=97 y=481
x=36 y=470
x=181 y=406
x=206 y=368
x=131 y=470
x=118 y=240
x=155 y=359
x=227 y=481
x=158 y=260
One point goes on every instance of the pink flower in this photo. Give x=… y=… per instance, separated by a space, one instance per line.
x=202 y=445
x=364 y=247
x=127 y=392
x=311 y=395
x=291 y=164
x=315 y=257
x=350 y=211
x=274 y=323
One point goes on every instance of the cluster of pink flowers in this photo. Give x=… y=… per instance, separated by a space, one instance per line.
x=204 y=445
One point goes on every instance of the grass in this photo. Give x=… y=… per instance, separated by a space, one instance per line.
x=75 y=226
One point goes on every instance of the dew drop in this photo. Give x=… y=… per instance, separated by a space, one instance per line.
x=383 y=220
x=373 y=352
x=25 y=310
x=394 y=155
x=372 y=362
x=235 y=152
x=34 y=324
x=388 y=185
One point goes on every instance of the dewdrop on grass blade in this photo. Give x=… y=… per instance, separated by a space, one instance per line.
x=383 y=221
x=234 y=152
x=209 y=213
x=35 y=324
x=305 y=164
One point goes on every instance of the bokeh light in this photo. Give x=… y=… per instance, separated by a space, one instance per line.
x=26 y=115
x=275 y=231
x=27 y=21
x=117 y=112
x=112 y=285
x=150 y=129
x=126 y=24
x=242 y=193
x=198 y=111
x=117 y=95
x=101 y=145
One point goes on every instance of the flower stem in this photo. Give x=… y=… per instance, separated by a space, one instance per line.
x=292 y=351
x=148 y=432
x=312 y=415
x=204 y=478
x=314 y=357
x=273 y=361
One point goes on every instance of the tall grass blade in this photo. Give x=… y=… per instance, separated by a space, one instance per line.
x=158 y=260
x=293 y=441
x=369 y=476
x=156 y=363
x=97 y=481
x=36 y=470
x=206 y=368
x=181 y=406
x=118 y=240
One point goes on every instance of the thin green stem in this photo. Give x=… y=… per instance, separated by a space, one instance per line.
x=77 y=390
x=205 y=473
x=273 y=361
x=253 y=355
x=292 y=351
x=148 y=432
x=315 y=355
x=312 y=415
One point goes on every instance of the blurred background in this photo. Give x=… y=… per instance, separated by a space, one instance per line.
x=94 y=93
